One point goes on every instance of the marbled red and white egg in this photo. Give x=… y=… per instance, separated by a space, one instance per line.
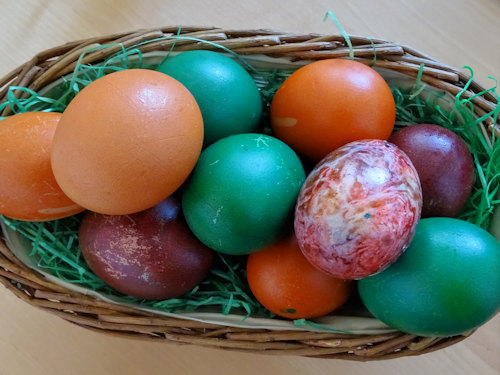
x=358 y=209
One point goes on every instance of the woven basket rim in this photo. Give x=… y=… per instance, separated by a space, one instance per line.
x=47 y=66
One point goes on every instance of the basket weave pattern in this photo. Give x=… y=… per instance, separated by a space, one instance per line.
x=118 y=320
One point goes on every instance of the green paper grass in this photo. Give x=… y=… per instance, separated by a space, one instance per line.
x=342 y=32
x=55 y=250
x=55 y=243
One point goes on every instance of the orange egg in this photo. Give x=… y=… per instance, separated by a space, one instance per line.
x=127 y=141
x=28 y=189
x=329 y=103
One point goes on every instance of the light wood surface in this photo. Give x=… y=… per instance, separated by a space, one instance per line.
x=460 y=32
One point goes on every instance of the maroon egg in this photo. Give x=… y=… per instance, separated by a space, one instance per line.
x=444 y=165
x=150 y=254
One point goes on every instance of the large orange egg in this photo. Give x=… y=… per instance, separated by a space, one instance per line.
x=127 y=141
x=28 y=189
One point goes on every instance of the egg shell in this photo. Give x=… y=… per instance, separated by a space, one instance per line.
x=28 y=189
x=358 y=209
x=446 y=282
x=228 y=97
x=284 y=282
x=151 y=254
x=444 y=165
x=127 y=141
x=329 y=103
x=242 y=193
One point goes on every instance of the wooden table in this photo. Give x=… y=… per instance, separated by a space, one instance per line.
x=460 y=32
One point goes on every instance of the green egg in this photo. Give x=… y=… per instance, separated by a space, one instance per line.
x=242 y=193
x=227 y=95
x=446 y=283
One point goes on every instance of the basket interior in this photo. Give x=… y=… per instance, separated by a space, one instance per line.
x=352 y=319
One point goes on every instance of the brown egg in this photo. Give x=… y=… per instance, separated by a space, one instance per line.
x=28 y=189
x=127 y=141
x=151 y=254
x=444 y=164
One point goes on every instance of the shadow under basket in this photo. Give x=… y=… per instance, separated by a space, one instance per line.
x=264 y=49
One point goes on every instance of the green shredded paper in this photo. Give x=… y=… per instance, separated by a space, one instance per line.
x=55 y=243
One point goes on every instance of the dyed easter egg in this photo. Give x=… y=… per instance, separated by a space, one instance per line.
x=28 y=189
x=228 y=97
x=127 y=141
x=242 y=193
x=284 y=282
x=329 y=103
x=358 y=209
x=444 y=165
x=151 y=254
x=445 y=283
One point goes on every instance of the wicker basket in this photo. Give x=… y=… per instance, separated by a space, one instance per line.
x=118 y=320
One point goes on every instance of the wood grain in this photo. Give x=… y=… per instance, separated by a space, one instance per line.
x=463 y=32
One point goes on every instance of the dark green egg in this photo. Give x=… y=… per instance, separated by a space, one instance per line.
x=242 y=193
x=227 y=95
x=445 y=283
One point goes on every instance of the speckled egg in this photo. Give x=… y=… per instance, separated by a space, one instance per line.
x=358 y=209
